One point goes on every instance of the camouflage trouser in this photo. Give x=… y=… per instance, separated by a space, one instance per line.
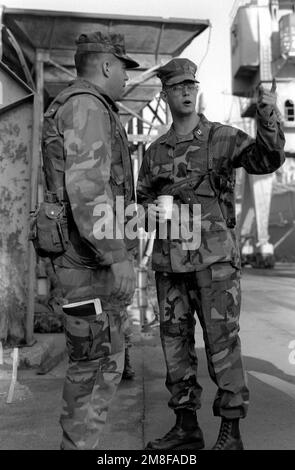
x=214 y=294
x=96 y=350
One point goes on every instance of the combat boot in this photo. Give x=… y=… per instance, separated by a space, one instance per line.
x=128 y=372
x=185 y=434
x=229 y=437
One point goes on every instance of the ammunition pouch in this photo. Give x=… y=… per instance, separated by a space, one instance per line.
x=49 y=228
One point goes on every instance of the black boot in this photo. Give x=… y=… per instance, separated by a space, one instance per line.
x=128 y=372
x=185 y=434
x=229 y=437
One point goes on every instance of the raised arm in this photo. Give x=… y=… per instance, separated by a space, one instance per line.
x=265 y=154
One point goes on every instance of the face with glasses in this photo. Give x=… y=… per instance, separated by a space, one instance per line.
x=181 y=97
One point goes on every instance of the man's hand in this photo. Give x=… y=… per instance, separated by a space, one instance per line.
x=267 y=97
x=124 y=280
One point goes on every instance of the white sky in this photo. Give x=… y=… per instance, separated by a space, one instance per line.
x=214 y=73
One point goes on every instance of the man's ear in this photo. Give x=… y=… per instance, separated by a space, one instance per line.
x=163 y=95
x=106 y=68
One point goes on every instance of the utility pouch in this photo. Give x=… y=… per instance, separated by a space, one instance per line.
x=49 y=229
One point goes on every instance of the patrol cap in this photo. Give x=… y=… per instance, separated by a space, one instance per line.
x=177 y=71
x=111 y=43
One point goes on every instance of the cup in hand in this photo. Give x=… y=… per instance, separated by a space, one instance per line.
x=166 y=201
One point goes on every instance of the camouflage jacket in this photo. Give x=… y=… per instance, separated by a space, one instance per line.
x=209 y=163
x=89 y=156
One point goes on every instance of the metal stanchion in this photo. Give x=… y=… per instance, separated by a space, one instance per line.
x=142 y=276
x=14 y=375
x=145 y=251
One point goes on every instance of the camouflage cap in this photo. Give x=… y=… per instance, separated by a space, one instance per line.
x=177 y=71
x=99 y=42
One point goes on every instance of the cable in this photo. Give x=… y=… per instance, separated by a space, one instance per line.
x=207 y=48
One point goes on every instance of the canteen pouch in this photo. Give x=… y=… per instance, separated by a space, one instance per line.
x=49 y=229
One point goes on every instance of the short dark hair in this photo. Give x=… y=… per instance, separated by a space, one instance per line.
x=82 y=62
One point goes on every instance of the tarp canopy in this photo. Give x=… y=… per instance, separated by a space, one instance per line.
x=150 y=40
x=286 y=4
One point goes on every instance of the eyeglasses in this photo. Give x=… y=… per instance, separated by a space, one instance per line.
x=178 y=89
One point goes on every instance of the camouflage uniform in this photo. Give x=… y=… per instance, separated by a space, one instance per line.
x=205 y=280
x=90 y=153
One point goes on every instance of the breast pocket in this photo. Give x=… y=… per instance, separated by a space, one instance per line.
x=195 y=166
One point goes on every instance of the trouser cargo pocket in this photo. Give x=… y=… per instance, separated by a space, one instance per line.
x=92 y=337
x=78 y=337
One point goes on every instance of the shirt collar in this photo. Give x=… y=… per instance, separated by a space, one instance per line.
x=200 y=132
x=82 y=82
